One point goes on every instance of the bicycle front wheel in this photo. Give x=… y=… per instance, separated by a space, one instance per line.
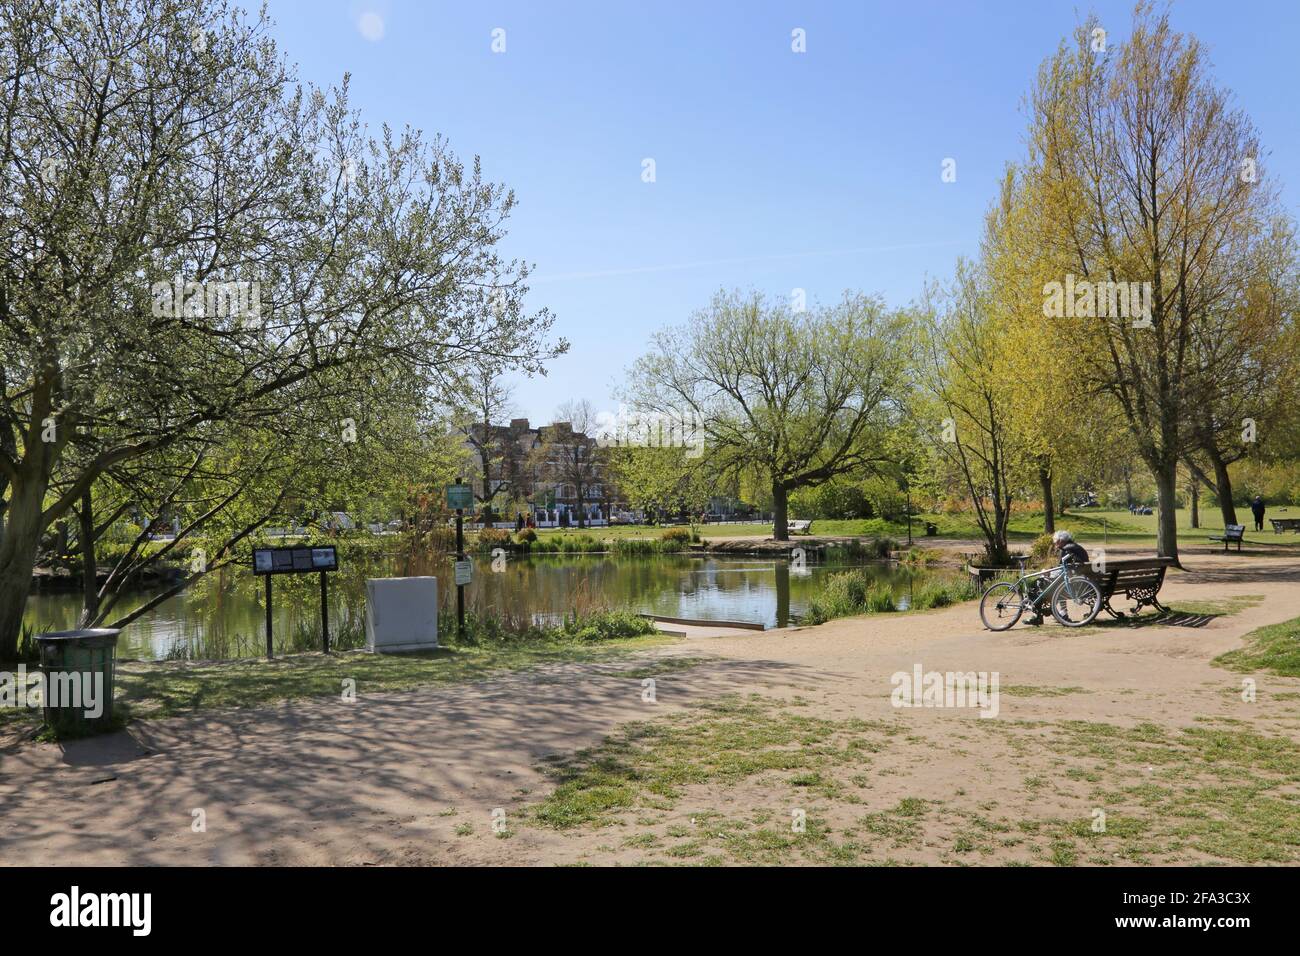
x=1077 y=603
x=1001 y=606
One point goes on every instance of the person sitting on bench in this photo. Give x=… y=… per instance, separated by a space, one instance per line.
x=1070 y=550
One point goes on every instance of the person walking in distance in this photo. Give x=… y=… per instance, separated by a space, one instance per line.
x=1257 y=509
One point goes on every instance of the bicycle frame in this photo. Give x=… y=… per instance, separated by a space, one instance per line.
x=1048 y=594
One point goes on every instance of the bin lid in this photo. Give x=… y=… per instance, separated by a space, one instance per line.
x=88 y=637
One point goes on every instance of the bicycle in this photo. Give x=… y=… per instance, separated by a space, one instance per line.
x=1074 y=599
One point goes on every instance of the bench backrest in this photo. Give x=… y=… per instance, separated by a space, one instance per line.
x=1234 y=531
x=1130 y=573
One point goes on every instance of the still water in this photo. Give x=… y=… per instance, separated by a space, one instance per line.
x=224 y=615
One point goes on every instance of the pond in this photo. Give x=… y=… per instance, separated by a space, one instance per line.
x=224 y=615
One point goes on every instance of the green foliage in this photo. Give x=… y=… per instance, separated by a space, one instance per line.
x=785 y=400
x=850 y=593
x=680 y=536
x=605 y=626
x=489 y=538
x=836 y=500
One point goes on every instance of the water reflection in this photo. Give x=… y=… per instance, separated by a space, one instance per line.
x=224 y=615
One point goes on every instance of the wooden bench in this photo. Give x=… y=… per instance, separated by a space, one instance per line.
x=1285 y=524
x=1233 y=532
x=799 y=527
x=1138 y=579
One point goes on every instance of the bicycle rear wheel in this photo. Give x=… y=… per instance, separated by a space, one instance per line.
x=1076 y=603
x=1001 y=606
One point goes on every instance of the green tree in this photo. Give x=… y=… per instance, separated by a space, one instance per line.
x=797 y=398
x=1146 y=181
x=193 y=241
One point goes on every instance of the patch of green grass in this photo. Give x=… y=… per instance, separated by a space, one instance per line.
x=901 y=825
x=1275 y=649
x=1220 y=608
x=1226 y=792
x=720 y=742
x=723 y=740
x=1030 y=690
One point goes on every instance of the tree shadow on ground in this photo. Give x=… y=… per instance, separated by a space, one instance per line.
x=322 y=781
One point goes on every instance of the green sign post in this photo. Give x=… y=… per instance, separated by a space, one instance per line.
x=460 y=497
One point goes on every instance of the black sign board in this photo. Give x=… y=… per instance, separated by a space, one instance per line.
x=295 y=560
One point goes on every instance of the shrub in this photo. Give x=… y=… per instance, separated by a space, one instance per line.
x=944 y=594
x=881 y=600
x=636 y=546
x=605 y=625
x=853 y=592
x=678 y=536
x=1042 y=548
x=579 y=544
x=527 y=535
x=490 y=538
x=883 y=547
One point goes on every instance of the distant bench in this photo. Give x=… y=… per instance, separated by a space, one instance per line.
x=799 y=527
x=1285 y=524
x=1138 y=579
x=1232 y=533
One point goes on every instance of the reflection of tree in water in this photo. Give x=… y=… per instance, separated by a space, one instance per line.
x=224 y=614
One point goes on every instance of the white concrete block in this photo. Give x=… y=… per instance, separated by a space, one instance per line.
x=401 y=614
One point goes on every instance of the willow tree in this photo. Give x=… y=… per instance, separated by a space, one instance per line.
x=1149 y=182
x=798 y=398
x=192 y=239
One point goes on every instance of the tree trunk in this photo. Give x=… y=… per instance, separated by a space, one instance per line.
x=1194 y=493
x=780 y=527
x=22 y=534
x=1167 y=505
x=582 y=509
x=89 y=567
x=1049 y=519
x=1223 y=487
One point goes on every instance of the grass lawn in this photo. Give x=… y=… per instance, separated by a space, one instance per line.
x=656 y=531
x=1217 y=791
x=1275 y=649
x=168 y=688
x=1092 y=525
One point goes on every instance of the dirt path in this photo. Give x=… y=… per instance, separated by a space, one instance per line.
x=415 y=777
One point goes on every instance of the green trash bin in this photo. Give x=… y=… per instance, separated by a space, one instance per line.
x=78 y=668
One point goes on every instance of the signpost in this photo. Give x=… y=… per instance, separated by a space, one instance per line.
x=459 y=497
x=464 y=573
x=302 y=559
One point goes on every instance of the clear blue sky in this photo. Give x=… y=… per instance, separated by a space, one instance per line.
x=774 y=170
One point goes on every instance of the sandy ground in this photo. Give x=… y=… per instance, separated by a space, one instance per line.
x=414 y=777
